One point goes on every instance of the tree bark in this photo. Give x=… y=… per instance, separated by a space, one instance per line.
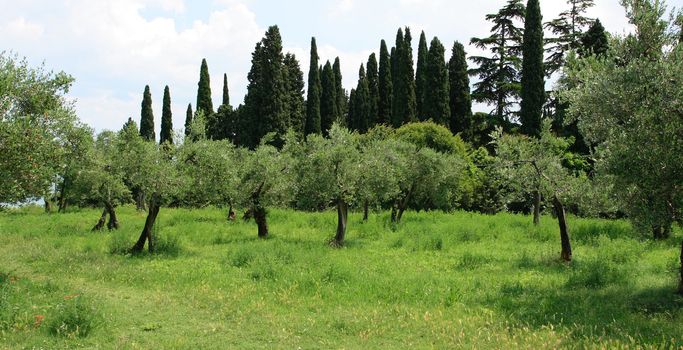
x=113 y=223
x=147 y=232
x=62 y=197
x=366 y=211
x=140 y=200
x=101 y=221
x=260 y=218
x=537 y=207
x=564 y=231
x=342 y=216
x=48 y=205
x=231 y=214
x=680 y=284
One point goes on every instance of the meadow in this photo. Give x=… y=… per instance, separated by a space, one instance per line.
x=437 y=280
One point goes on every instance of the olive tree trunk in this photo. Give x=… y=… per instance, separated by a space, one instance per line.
x=113 y=223
x=401 y=204
x=366 y=211
x=342 y=218
x=231 y=214
x=101 y=221
x=260 y=218
x=147 y=233
x=564 y=231
x=537 y=207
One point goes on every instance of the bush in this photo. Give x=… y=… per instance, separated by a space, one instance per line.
x=75 y=318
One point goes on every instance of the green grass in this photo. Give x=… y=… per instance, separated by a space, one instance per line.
x=438 y=280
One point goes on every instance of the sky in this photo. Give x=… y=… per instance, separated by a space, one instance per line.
x=115 y=48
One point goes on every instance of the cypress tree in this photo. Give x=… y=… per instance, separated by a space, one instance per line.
x=533 y=84
x=404 y=102
x=373 y=90
x=147 y=117
x=341 y=94
x=351 y=115
x=568 y=29
x=361 y=116
x=166 y=134
x=226 y=91
x=396 y=120
x=459 y=83
x=313 y=98
x=296 y=106
x=385 y=86
x=594 y=41
x=499 y=74
x=328 y=99
x=188 y=120
x=421 y=77
x=204 y=102
x=436 y=96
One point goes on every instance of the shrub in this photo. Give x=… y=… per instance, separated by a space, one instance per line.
x=75 y=318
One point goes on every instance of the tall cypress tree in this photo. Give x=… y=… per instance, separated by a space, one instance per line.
x=436 y=104
x=204 y=102
x=459 y=84
x=296 y=106
x=498 y=73
x=594 y=41
x=226 y=91
x=404 y=102
x=147 y=116
x=166 y=134
x=385 y=87
x=361 y=115
x=188 y=120
x=396 y=119
x=351 y=114
x=567 y=30
x=533 y=84
x=421 y=77
x=341 y=94
x=328 y=99
x=373 y=90
x=313 y=98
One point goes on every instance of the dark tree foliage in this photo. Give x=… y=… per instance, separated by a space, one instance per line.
x=328 y=99
x=341 y=93
x=166 y=134
x=296 y=106
x=421 y=78
x=359 y=118
x=352 y=109
x=373 y=90
x=147 y=117
x=594 y=41
x=533 y=83
x=459 y=90
x=498 y=73
x=265 y=103
x=404 y=102
x=436 y=104
x=313 y=98
x=385 y=86
x=188 y=120
x=204 y=102
x=567 y=32
x=226 y=91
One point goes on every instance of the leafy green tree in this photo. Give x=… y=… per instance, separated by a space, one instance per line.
x=498 y=73
x=166 y=134
x=568 y=31
x=296 y=106
x=204 y=101
x=188 y=119
x=435 y=102
x=328 y=99
x=594 y=41
x=147 y=117
x=404 y=96
x=385 y=87
x=314 y=93
x=373 y=90
x=533 y=83
x=342 y=103
x=459 y=90
x=76 y=142
x=421 y=77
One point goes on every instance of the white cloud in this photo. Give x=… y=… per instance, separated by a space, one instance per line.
x=21 y=28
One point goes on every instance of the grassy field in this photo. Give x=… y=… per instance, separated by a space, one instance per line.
x=437 y=281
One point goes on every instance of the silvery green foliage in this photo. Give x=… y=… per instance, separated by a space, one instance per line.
x=631 y=105
x=211 y=172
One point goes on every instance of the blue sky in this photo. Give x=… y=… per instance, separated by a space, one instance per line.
x=115 y=48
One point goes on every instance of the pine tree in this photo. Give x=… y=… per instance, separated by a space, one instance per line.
x=567 y=30
x=341 y=93
x=404 y=103
x=188 y=120
x=498 y=74
x=166 y=134
x=226 y=91
x=313 y=98
x=459 y=84
x=533 y=84
x=385 y=86
x=436 y=94
x=328 y=99
x=594 y=41
x=421 y=77
x=296 y=106
x=204 y=102
x=373 y=90
x=147 y=117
